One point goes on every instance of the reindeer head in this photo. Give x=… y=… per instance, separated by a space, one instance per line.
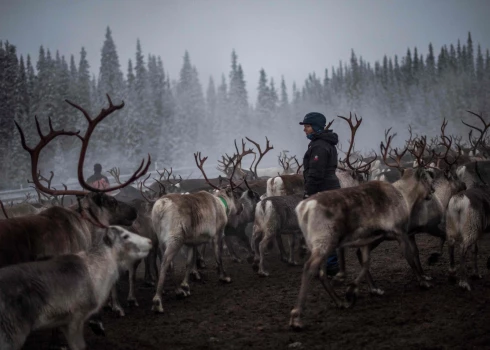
x=420 y=181
x=108 y=210
x=129 y=247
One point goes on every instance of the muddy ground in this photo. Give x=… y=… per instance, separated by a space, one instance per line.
x=253 y=312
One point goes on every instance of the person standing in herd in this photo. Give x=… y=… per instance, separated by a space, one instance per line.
x=320 y=163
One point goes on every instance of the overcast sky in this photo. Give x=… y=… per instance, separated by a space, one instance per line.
x=288 y=37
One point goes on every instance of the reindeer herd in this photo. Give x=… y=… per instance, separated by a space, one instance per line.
x=59 y=263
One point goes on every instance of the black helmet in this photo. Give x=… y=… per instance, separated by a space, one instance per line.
x=316 y=120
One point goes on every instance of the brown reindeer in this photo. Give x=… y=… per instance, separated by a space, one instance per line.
x=190 y=220
x=58 y=230
x=467 y=218
x=362 y=217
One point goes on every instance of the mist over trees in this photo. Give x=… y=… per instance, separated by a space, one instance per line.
x=173 y=118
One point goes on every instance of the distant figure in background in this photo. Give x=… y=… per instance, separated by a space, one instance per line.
x=98 y=180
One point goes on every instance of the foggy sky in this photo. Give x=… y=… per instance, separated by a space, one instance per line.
x=290 y=38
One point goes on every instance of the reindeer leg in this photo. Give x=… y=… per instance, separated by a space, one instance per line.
x=475 y=274
x=256 y=238
x=218 y=251
x=201 y=264
x=229 y=244
x=434 y=257
x=116 y=306
x=405 y=245
x=340 y=276
x=373 y=289
x=452 y=269
x=242 y=236
x=132 y=281
x=353 y=290
x=310 y=270
x=463 y=278
x=150 y=263
x=416 y=256
x=74 y=334
x=280 y=245
x=184 y=289
x=194 y=270
x=168 y=255
x=292 y=243
x=262 y=248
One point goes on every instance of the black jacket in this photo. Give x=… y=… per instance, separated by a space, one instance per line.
x=320 y=162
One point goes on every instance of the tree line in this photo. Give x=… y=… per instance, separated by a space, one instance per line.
x=171 y=118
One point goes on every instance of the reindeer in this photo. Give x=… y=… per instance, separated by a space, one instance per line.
x=65 y=290
x=190 y=220
x=426 y=216
x=361 y=216
x=467 y=218
x=58 y=230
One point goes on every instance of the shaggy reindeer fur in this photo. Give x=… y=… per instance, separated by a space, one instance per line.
x=191 y=220
x=59 y=230
x=467 y=218
x=64 y=291
x=361 y=216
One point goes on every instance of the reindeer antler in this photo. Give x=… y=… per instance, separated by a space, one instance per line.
x=385 y=151
x=115 y=172
x=200 y=164
x=268 y=147
x=353 y=128
x=482 y=131
x=45 y=139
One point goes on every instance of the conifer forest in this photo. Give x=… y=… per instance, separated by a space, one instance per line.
x=172 y=117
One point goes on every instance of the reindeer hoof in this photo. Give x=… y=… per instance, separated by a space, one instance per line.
x=292 y=263
x=339 y=277
x=350 y=297
x=149 y=283
x=201 y=264
x=226 y=279
x=236 y=260
x=433 y=258
x=119 y=311
x=133 y=302
x=295 y=321
x=157 y=306
x=425 y=285
x=427 y=278
x=465 y=285
x=183 y=291
x=196 y=276
x=97 y=327
x=377 y=291
x=263 y=274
